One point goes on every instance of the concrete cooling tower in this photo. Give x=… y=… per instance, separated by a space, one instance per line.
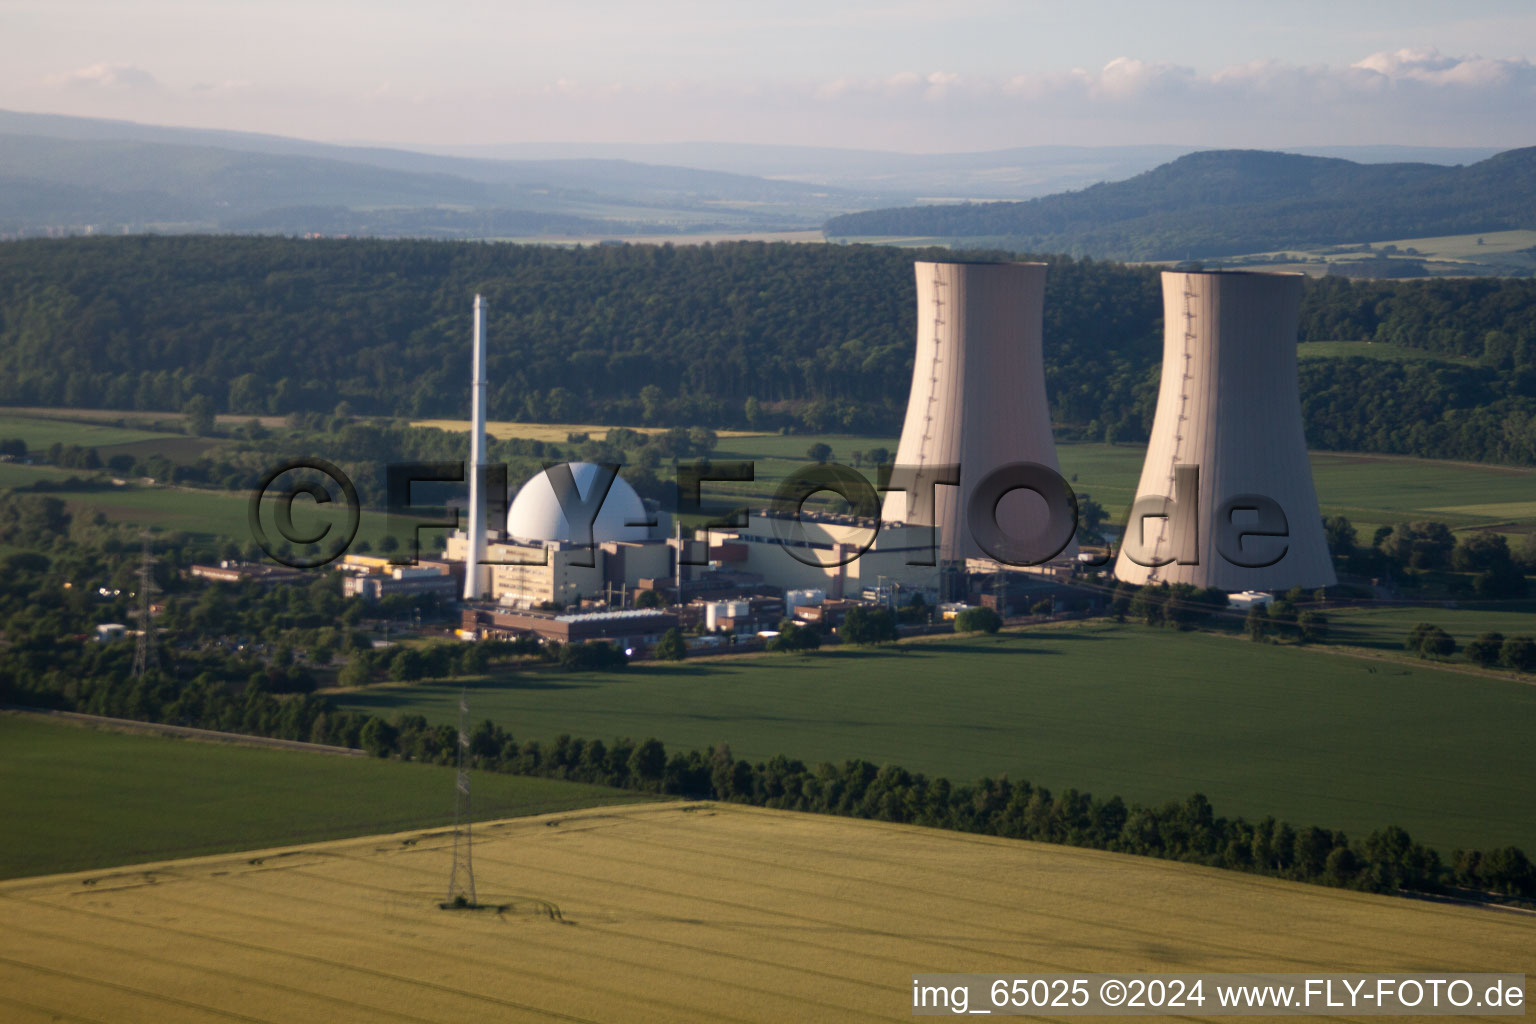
x=1226 y=497
x=977 y=401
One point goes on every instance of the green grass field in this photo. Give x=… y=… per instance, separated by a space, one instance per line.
x=1493 y=510
x=1494 y=253
x=1149 y=714
x=1378 y=490
x=70 y=803
x=211 y=515
x=15 y=475
x=1375 y=350
x=1474 y=247
x=775 y=457
x=1385 y=628
x=40 y=432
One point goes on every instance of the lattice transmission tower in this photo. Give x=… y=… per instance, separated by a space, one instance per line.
x=461 y=880
x=145 y=657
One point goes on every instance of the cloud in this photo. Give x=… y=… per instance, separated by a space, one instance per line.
x=1130 y=80
x=228 y=86
x=1402 y=97
x=105 y=76
x=1431 y=68
x=1398 y=96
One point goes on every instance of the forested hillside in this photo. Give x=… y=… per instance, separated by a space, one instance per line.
x=731 y=335
x=1226 y=202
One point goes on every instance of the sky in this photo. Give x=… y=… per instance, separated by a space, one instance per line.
x=921 y=76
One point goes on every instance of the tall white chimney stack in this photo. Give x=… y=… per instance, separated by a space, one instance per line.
x=473 y=584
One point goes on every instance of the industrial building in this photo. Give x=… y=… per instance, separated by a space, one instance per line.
x=376 y=578
x=230 y=571
x=631 y=628
x=1226 y=497
x=842 y=555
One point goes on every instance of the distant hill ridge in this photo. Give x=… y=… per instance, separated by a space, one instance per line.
x=1225 y=202
x=180 y=180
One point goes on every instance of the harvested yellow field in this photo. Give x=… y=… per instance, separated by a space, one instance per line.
x=672 y=912
x=501 y=430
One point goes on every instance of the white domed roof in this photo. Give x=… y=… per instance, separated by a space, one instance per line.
x=536 y=515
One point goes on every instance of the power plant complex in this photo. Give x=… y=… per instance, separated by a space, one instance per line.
x=1225 y=498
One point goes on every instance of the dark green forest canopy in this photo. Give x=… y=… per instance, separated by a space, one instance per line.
x=816 y=336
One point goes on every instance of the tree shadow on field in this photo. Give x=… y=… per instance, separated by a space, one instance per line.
x=850 y=653
x=541 y=681
x=668 y=669
x=1071 y=636
x=988 y=646
x=410 y=695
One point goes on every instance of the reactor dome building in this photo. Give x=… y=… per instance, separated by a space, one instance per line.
x=540 y=559
x=1226 y=496
x=536 y=515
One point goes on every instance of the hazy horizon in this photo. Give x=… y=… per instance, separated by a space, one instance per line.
x=972 y=76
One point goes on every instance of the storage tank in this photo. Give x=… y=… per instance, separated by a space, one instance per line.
x=801 y=598
x=1229 y=414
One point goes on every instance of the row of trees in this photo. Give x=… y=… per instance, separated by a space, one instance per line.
x=1184 y=606
x=1282 y=620
x=1386 y=861
x=1490 y=649
x=1423 y=546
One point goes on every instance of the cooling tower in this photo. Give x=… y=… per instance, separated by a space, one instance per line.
x=1229 y=414
x=978 y=399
